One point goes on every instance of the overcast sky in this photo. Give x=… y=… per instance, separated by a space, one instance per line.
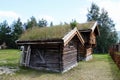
x=56 y=10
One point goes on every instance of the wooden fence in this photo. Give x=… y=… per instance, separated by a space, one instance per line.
x=115 y=55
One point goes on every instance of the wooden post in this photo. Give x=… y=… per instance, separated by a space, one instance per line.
x=22 y=58
x=27 y=59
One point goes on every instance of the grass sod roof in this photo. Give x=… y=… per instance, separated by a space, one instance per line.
x=55 y=32
x=36 y=33
x=85 y=26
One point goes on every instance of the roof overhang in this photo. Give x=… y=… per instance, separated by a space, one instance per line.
x=87 y=30
x=94 y=28
x=35 y=42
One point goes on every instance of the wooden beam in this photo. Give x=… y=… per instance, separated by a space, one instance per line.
x=49 y=41
x=94 y=26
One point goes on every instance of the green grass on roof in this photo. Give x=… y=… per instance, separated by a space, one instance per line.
x=44 y=33
x=85 y=26
x=54 y=32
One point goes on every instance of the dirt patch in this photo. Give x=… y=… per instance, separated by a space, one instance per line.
x=8 y=70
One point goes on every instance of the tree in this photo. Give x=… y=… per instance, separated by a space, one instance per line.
x=5 y=33
x=31 y=23
x=108 y=35
x=17 y=30
x=93 y=13
x=42 y=23
x=51 y=24
x=73 y=24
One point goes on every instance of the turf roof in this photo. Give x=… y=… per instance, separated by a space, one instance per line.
x=55 y=32
x=36 y=33
x=85 y=26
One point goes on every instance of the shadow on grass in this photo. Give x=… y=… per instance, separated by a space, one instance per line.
x=114 y=69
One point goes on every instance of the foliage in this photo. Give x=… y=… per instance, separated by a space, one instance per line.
x=93 y=13
x=31 y=23
x=73 y=24
x=42 y=23
x=5 y=33
x=101 y=65
x=10 y=33
x=51 y=24
x=108 y=35
x=17 y=28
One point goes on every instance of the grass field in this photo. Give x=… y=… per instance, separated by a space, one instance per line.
x=100 y=68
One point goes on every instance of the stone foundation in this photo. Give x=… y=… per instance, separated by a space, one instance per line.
x=89 y=57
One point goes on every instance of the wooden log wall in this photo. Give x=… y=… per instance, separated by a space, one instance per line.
x=69 y=55
x=81 y=53
x=90 y=42
x=44 y=56
x=85 y=51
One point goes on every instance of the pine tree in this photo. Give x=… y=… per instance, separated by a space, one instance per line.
x=17 y=30
x=51 y=24
x=73 y=24
x=108 y=35
x=5 y=33
x=31 y=23
x=42 y=23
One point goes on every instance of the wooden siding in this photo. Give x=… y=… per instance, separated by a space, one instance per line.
x=92 y=38
x=89 y=51
x=44 y=57
x=81 y=53
x=69 y=55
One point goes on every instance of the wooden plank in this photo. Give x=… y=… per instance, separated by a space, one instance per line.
x=68 y=60
x=94 y=26
x=66 y=65
x=71 y=34
x=69 y=56
x=22 y=59
x=27 y=59
x=70 y=52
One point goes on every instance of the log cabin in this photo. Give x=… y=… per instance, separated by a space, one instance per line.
x=54 y=48
x=89 y=32
x=58 y=48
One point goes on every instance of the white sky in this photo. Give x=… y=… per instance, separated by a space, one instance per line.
x=56 y=11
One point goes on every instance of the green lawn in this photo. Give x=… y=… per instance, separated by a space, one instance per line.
x=100 y=68
x=9 y=57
